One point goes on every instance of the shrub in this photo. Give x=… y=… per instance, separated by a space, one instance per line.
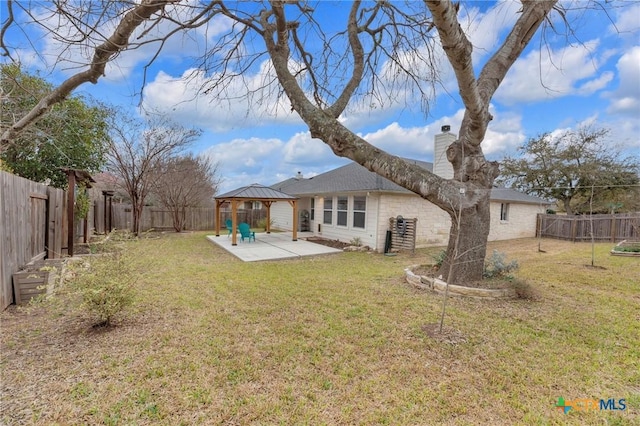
x=356 y=241
x=497 y=267
x=262 y=223
x=106 y=286
x=439 y=257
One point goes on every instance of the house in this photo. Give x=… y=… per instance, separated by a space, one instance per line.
x=351 y=202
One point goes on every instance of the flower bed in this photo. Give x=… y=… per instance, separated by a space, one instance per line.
x=627 y=248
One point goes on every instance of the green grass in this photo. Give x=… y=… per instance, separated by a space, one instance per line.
x=337 y=339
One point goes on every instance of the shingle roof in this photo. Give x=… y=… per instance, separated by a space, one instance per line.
x=348 y=178
x=513 y=196
x=257 y=192
x=354 y=177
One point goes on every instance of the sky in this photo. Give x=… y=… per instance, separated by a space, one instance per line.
x=557 y=84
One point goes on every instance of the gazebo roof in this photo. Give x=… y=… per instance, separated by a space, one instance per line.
x=256 y=192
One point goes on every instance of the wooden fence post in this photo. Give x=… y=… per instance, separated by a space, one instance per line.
x=613 y=228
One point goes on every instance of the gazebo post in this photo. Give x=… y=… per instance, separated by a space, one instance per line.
x=268 y=225
x=234 y=222
x=294 y=204
x=218 y=203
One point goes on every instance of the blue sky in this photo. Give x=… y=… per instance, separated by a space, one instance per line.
x=554 y=86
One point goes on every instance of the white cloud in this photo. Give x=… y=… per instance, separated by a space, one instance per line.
x=267 y=161
x=245 y=104
x=548 y=74
x=244 y=155
x=411 y=142
x=57 y=53
x=301 y=149
x=485 y=30
x=504 y=133
x=627 y=21
x=626 y=98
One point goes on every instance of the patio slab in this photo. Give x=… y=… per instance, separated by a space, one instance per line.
x=272 y=246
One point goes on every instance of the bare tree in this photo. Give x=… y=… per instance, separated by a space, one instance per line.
x=138 y=150
x=185 y=181
x=148 y=11
x=385 y=54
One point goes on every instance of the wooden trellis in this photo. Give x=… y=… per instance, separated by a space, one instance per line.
x=403 y=233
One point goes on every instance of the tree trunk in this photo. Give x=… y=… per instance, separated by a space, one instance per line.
x=567 y=206
x=472 y=225
x=136 y=208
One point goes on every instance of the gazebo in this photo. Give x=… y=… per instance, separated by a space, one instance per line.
x=254 y=192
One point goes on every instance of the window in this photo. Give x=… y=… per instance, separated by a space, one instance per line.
x=359 y=211
x=313 y=208
x=328 y=211
x=504 y=212
x=343 y=205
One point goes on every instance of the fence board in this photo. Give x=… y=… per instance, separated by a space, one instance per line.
x=601 y=227
x=29 y=227
x=197 y=218
x=22 y=228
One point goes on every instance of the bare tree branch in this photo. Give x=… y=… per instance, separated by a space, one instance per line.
x=117 y=42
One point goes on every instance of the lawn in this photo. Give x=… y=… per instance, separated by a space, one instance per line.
x=337 y=339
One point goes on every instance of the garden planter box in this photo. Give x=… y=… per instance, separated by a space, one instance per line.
x=29 y=284
x=627 y=248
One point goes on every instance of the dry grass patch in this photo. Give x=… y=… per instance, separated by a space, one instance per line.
x=330 y=340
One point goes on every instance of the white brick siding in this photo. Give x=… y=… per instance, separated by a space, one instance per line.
x=433 y=223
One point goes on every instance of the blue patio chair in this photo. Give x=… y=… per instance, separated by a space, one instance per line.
x=246 y=232
x=229 y=227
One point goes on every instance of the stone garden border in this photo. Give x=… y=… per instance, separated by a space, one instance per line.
x=429 y=283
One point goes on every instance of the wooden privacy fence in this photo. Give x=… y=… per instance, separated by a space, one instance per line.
x=32 y=227
x=604 y=227
x=197 y=218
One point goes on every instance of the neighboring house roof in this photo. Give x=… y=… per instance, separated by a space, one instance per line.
x=354 y=177
x=256 y=192
x=513 y=196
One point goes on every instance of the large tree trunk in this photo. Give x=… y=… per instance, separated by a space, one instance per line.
x=468 y=192
x=467 y=244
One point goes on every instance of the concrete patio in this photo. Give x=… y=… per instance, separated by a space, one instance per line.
x=271 y=246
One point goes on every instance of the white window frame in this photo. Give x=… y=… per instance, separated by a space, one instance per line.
x=363 y=212
x=329 y=210
x=504 y=212
x=342 y=213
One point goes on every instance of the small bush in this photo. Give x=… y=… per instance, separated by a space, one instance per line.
x=439 y=257
x=497 y=267
x=106 y=286
x=356 y=241
x=262 y=223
